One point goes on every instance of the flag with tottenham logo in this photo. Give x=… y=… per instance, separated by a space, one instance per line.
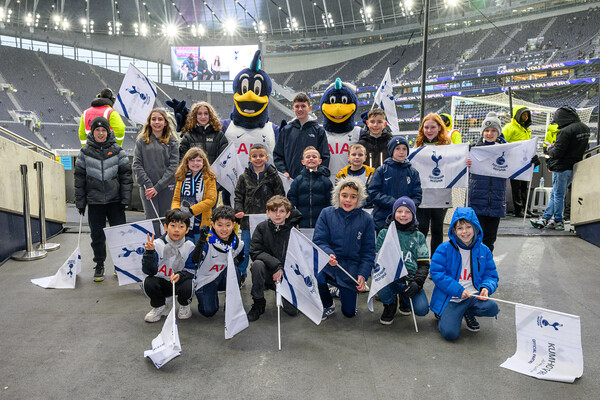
x=228 y=168
x=384 y=99
x=548 y=344
x=441 y=167
x=303 y=262
x=136 y=96
x=506 y=160
x=65 y=276
x=236 y=319
x=389 y=266
x=166 y=346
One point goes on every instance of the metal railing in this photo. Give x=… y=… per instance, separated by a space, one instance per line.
x=27 y=143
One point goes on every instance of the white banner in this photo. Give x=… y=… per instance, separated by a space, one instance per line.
x=384 y=99
x=166 y=345
x=287 y=182
x=303 y=261
x=236 y=319
x=507 y=160
x=254 y=220
x=136 y=96
x=389 y=266
x=441 y=166
x=548 y=344
x=65 y=276
x=228 y=168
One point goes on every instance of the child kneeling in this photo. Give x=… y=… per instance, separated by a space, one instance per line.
x=416 y=261
x=460 y=268
x=173 y=252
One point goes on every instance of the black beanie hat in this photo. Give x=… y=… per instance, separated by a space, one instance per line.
x=100 y=122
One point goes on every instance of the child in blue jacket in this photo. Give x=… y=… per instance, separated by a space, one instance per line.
x=460 y=268
x=346 y=232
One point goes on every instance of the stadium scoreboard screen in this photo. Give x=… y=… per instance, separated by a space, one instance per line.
x=209 y=63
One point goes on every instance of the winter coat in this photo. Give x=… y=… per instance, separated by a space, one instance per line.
x=213 y=143
x=350 y=236
x=310 y=193
x=154 y=163
x=389 y=182
x=269 y=242
x=514 y=131
x=446 y=265
x=251 y=194
x=293 y=139
x=203 y=207
x=102 y=173
x=571 y=140
x=376 y=146
x=487 y=194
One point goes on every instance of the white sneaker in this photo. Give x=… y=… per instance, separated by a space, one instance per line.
x=184 y=312
x=156 y=313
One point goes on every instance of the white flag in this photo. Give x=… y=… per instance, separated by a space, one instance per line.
x=287 y=182
x=65 y=276
x=254 y=220
x=236 y=319
x=389 y=266
x=136 y=96
x=441 y=166
x=548 y=344
x=166 y=345
x=303 y=261
x=506 y=160
x=384 y=99
x=228 y=168
x=126 y=245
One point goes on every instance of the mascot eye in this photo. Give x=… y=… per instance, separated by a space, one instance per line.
x=244 y=85
x=257 y=87
x=332 y=100
x=344 y=99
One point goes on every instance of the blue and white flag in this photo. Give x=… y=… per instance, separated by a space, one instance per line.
x=441 y=167
x=166 y=345
x=548 y=344
x=126 y=245
x=506 y=160
x=65 y=276
x=136 y=96
x=228 y=168
x=236 y=319
x=389 y=266
x=384 y=99
x=303 y=262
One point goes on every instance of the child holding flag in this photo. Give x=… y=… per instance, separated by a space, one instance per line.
x=416 y=261
x=460 y=268
x=346 y=232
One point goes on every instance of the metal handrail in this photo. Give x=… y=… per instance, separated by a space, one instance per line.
x=22 y=141
x=590 y=151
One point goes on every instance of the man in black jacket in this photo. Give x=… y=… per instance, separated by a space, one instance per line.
x=571 y=142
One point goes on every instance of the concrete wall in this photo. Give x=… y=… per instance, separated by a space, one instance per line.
x=585 y=192
x=12 y=156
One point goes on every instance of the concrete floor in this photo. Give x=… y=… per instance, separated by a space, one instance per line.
x=89 y=342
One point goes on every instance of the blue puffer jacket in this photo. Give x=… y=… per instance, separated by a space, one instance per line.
x=389 y=182
x=350 y=236
x=487 y=194
x=446 y=265
x=310 y=193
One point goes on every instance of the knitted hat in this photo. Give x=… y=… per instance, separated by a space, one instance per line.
x=100 y=122
x=396 y=141
x=491 y=121
x=408 y=203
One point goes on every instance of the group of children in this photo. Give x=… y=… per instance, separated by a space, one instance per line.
x=198 y=238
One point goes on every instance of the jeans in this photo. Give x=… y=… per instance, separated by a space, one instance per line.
x=451 y=318
x=243 y=266
x=348 y=297
x=560 y=181
x=420 y=303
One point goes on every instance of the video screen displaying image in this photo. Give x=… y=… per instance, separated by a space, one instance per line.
x=209 y=63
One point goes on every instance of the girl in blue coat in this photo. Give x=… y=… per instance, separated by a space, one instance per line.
x=460 y=268
x=347 y=234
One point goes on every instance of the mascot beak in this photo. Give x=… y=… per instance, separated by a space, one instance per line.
x=249 y=104
x=338 y=112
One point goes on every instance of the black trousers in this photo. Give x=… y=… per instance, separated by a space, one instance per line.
x=158 y=289
x=262 y=279
x=97 y=216
x=519 y=194
x=490 y=230
x=435 y=218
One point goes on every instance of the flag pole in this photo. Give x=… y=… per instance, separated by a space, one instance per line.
x=351 y=277
x=521 y=304
x=413 y=314
x=467 y=195
x=526 y=203
x=174 y=316
x=162 y=91
x=153 y=206
x=278 y=296
x=79 y=235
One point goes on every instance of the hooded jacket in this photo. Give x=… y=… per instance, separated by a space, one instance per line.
x=446 y=265
x=293 y=139
x=213 y=143
x=102 y=173
x=514 y=131
x=487 y=194
x=571 y=140
x=269 y=242
x=376 y=146
x=310 y=193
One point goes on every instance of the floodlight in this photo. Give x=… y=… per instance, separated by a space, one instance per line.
x=230 y=26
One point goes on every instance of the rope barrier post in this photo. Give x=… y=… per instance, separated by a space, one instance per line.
x=28 y=254
x=44 y=245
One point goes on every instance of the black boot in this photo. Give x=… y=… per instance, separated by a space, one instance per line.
x=258 y=308
x=389 y=311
